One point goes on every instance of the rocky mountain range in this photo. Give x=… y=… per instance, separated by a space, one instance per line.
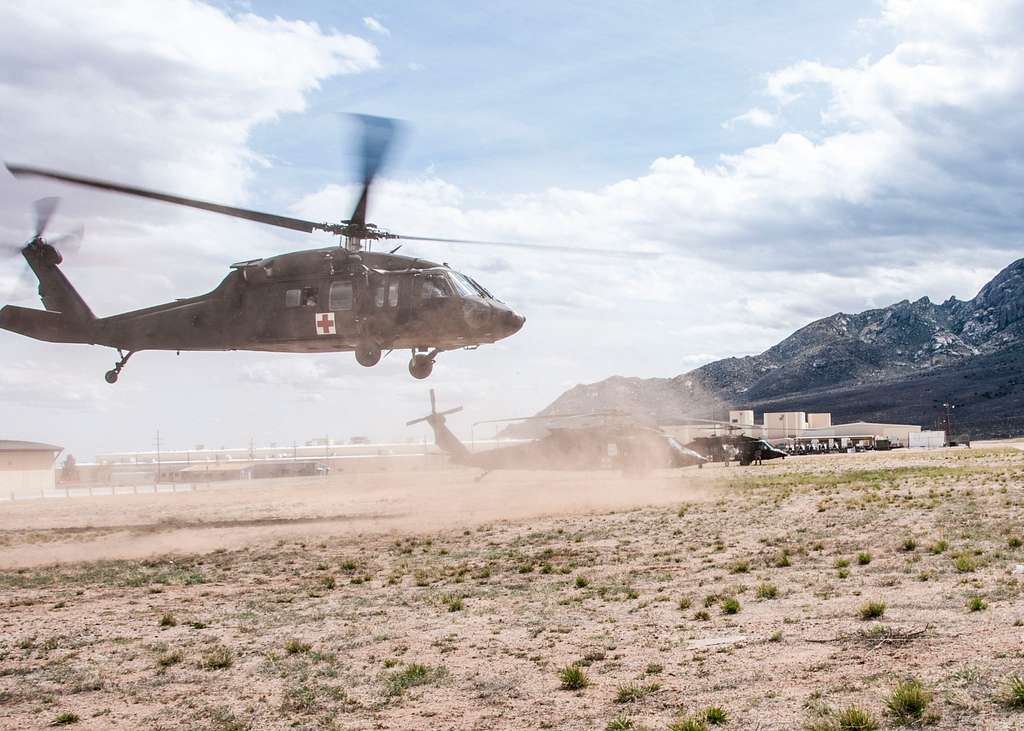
x=895 y=363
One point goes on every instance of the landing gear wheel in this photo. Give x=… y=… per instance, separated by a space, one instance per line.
x=421 y=366
x=111 y=375
x=368 y=354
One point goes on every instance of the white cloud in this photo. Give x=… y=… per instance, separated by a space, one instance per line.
x=755 y=117
x=376 y=26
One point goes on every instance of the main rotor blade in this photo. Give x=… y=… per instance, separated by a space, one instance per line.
x=378 y=134
x=538 y=247
x=295 y=224
x=11 y=250
x=45 y=208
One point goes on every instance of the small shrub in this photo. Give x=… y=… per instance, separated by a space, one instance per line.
x=714 y=716
x=853 y=718
x=703 y=615
x=782 y=560
x=767 y=591
x=841 y=563
x=328 y=582
x=843 y=573
x=740 y=567
x=168 y=620
x=169 y=658
x=573 y=677
x=909 y=544
x=976 y=604
x=685 y=603
x=776 y=636
x=907 y=702
x=633 y=693
x=964 y=564
x=217 y=658
x=582 y=582
x=296 y=647
x=1013 y=696
x=863 y=558
x=65 y=718
x=872 y=610
x=620 y=724
x=730 y=605
x=654 y=669
x=1014 y=542
x=938 y=547
x=412 y=675
x=453 y=602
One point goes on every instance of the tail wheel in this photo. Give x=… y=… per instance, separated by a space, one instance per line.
x=110 y=376
x=421 y=366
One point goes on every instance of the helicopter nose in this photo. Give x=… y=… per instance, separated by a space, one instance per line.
x=511 y=322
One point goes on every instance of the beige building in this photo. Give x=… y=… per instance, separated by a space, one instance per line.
x=779 y=424
x=27 y=466
x=744 y=417
x=819 y=421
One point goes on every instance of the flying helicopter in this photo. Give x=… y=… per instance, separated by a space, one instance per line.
x=340 y=298
x=613 y=444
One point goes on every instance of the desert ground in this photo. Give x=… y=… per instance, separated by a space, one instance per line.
x=879 y=589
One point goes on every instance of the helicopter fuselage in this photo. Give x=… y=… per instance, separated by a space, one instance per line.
x=319 y=300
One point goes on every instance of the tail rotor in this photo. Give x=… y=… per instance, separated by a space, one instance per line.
x=38 y=249
x=434 y=415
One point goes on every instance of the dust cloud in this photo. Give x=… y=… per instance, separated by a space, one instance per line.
x=42 y=532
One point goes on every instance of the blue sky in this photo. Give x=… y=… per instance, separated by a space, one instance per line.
x=515 y=97
x=789 y=159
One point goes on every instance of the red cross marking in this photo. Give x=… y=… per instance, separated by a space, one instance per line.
x=325 y=324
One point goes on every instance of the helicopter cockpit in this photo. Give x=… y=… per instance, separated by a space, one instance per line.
x=436 y=283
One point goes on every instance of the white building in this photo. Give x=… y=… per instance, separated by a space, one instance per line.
x=27 y=466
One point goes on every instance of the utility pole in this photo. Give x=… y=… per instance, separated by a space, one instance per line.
x=949 y=420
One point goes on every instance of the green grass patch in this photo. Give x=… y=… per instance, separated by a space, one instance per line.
x=413 y=675
x=573 y=677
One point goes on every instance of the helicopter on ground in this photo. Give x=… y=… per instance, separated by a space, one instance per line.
x=727 y=447
x=339 y=298
x=625 y=446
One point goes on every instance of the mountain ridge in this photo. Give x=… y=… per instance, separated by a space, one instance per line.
x=918 y=353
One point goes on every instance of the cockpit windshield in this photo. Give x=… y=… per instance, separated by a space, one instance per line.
x=462 y=285
x=468 y=287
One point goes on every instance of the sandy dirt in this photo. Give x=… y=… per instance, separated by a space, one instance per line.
x=431 y=601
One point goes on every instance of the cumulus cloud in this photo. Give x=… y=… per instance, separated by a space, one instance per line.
x=918 y=150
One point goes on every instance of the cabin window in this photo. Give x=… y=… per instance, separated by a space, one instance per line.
x=292 y=297
x=378 y=296
x=435 y=285
x=309 y=298
x=341 y=296
x=393 y=293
